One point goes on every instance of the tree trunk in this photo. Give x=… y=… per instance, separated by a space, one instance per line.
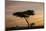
x=27 y=21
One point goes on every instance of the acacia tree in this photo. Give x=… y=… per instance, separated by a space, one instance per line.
x=24 y=14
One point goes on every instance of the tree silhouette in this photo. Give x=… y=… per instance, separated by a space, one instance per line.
x=24 y=14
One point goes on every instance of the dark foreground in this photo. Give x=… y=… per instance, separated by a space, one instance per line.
x=23 y=28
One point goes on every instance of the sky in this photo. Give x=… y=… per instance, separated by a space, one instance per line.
x=12 y=7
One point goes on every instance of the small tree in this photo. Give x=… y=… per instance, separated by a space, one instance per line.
x=24 y=14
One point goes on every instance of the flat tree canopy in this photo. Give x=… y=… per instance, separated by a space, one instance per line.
x=24 y=14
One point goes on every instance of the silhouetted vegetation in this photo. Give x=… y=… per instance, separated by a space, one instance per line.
x=24 y=14
x=23 y=28
x=29 y=12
